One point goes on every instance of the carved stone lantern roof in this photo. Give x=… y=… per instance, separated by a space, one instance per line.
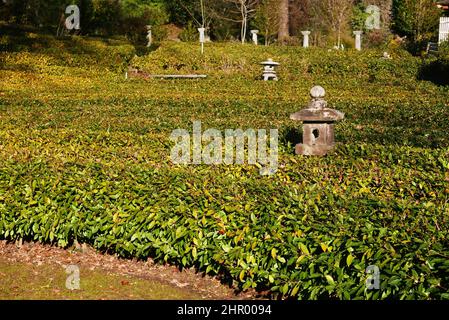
x=270 y=62
x=317 y=110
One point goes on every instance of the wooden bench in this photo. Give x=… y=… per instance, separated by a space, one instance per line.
x=134 y=73
x=432 y=48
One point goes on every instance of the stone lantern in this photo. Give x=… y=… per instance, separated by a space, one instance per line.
x=269 y=72
x=318 y=125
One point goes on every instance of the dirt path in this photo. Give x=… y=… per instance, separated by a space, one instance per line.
x=35 y=271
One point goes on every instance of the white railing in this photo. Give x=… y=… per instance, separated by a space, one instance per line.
x=444 y=29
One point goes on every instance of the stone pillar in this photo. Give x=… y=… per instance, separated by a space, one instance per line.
x=254 y=34
x=202 y=38
x=358 y=40
x=149 y=36
x=305 y=41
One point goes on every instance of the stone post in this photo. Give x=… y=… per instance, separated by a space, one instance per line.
x=358 y=40
x=149 y=36
x=202 y=38
x=305 y=41
x=254 y=34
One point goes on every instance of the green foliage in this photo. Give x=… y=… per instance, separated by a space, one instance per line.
x=137 y=8
x=99 y=17
x=107 y=16
x=267 y=19
x=436 y=69
x=34 y=52
x=359 y=17
x=179 y=11
x=32 y=11
x=238 y=60
x=416 y=19
x=189 y=33
x=85 y=156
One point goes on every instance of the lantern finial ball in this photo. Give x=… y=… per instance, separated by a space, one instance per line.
x=317 y=92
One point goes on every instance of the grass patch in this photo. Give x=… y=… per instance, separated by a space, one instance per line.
x=21 y=281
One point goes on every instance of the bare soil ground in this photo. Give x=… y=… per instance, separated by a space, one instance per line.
x=36 y=271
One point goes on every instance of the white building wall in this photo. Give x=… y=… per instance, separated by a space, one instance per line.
x=444 y=29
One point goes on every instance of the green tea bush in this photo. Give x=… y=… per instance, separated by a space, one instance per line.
x=189 y=33
x=85 y=155
x=436 y=69
x=71 y=51
x=243 y=60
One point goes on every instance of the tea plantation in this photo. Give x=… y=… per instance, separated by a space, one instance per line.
x=85 y=155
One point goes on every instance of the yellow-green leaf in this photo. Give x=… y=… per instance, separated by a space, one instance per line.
x=300 y=259
x=274 y=253
x=349 y=259
x=295 y=291
x=329 y=279
x=285 y=288
x=242 y=275
x=304 y=249
x=323 y=246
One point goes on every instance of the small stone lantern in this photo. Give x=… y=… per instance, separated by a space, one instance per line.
x=318 y=125
x=269 y=72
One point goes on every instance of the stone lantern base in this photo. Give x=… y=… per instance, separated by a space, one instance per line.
x=318 y=139
x=270 y=75
x=305 y=150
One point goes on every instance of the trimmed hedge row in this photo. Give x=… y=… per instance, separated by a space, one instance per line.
x=223 y=60
x=308 y=232
x=85 y=156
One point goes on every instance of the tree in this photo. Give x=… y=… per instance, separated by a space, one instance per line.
x=240 y=11
x=417 y=19
x=198 y=11
x=374 y=18
x=37 y=13
x=267 y=19
x=385 y=7
x=300 y=16
x=284 y=15
x=108 y=16
x=181 y=11
x=336 y=15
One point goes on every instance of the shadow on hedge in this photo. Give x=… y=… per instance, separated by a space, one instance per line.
x=435 y=71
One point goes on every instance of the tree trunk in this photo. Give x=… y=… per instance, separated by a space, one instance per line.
x=267 y=34
x=283 y=32
x=244 y=12
x=339 y=38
